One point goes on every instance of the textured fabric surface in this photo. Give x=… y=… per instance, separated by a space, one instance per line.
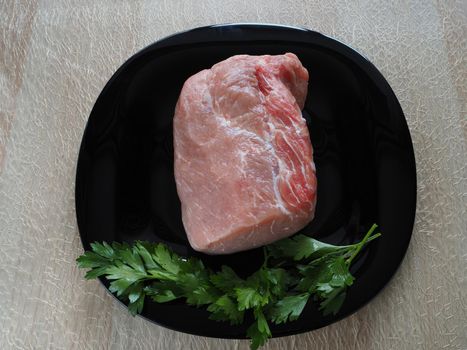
x=56 y=56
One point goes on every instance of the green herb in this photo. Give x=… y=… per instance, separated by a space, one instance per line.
x=294 y=270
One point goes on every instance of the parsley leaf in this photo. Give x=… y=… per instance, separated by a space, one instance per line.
x=167 y=260
x=136 y=307
x=249 y=297
x=288 y=308
x=164 y=291
x=294 y=270
x=259 y=331
x=103 y=249
x=225 y=309
x=226 y=279
x=300 y=247
x=278 y=280
x=332 y=302
x=135 y=295
x=91 y=260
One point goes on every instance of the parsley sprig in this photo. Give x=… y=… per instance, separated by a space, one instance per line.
x=294 y=270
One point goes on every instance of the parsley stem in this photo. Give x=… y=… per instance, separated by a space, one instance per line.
x=360 y=245
x=337 y=252
x=376 y=235
x=266 y=256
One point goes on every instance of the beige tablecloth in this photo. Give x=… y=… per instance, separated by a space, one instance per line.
x=56 y=56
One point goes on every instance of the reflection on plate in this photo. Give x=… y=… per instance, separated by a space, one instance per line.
x=125 y=188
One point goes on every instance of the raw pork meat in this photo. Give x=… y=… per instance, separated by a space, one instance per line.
x=243 y=158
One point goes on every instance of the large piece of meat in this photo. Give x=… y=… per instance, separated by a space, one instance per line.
x=243 y=158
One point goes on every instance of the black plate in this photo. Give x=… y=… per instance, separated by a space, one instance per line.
x=125 y=188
